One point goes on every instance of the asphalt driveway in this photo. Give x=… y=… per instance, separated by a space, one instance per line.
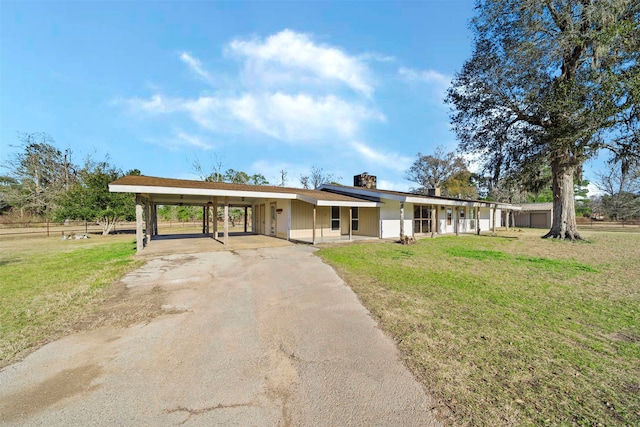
x=259 y=337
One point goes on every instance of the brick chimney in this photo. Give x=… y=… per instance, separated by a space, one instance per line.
x=365 y=180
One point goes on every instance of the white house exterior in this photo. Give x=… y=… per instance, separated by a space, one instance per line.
x=329 y=213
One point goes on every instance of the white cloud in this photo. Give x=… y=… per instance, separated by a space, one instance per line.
x=438 y=81
x=157 y=104
x=195 y=141
x=291 y=118
x=326 y=96
x=389 y=160
x=291 y=51
x=384 y=184
x=181 y=139
x=196 y=66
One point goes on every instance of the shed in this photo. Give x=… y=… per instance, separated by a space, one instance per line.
x=534 y=215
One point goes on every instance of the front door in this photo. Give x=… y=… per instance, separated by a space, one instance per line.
x=272 y=216
x=261 y=228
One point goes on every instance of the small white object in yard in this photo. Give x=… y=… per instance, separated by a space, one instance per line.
x=74 y=236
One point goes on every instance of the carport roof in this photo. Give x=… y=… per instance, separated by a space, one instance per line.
x=183 y=191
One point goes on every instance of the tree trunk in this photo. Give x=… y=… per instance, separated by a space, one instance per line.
x=107 y=226
x=564 y=225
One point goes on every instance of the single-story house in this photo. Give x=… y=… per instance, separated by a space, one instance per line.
x=534 y=215
x=329 y=213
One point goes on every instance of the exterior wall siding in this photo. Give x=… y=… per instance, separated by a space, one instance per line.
x=369 y=222
x=282 y=218
x=390 y=219
x=302 y=221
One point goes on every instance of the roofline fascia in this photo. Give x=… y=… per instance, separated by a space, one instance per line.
x=418 y=199
x=118 y=188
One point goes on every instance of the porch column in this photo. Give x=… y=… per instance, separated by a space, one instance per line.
x=226 y=220
x=350 y=221
x=456 y=220
x=493 y=228
x=245 y=219
x=437 y=221
x=204 y=219
x=508 y=215
x=155 y=219
x=401 y=220
x=313 y=233
x=139 y=236
x=147 y=221
x=478 y=220
x=215 y=217
x=434 y=220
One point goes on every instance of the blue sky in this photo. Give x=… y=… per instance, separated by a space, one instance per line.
x=256 y=86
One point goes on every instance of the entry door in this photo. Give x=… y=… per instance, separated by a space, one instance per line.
x=261 y=224
x=272 y=228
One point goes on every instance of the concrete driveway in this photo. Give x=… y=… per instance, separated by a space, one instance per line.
x=256 y=337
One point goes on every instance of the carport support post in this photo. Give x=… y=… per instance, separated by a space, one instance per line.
x=226 y=221
x=245 y=219
x=215 y=218
x=139 y=237
x=204 y=218
x=147 y=220
x=313 y=233
x=493 y=228
x=401 y=220
x=508 y=215
x=478 y=221
x=155 y=219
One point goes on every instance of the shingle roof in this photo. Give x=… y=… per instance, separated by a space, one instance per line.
x=150 y=181
x=526 y=207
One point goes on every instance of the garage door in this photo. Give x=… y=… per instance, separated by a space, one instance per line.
x=539 y=220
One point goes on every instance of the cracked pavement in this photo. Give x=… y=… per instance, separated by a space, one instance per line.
x=261 y=337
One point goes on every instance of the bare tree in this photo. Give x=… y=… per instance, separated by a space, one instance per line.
x=283 y=178
x=42 y=172
x=621 y=185
x=435 y=170
x=317 y=177
x=212 y=172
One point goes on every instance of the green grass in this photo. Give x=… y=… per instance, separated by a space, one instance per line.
x=47 y=285
x=511 y=331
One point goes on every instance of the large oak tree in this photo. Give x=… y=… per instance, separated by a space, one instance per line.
x=550 y=83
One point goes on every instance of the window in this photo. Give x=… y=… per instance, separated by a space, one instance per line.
x=335 y=217
x=449 y=216
x=421 y=219
x=461 y=213
x=354 y=219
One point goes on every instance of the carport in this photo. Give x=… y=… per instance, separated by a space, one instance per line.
x=287 y=213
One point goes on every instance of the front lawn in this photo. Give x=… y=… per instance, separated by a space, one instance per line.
x=48 y=285
x=514 y=329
